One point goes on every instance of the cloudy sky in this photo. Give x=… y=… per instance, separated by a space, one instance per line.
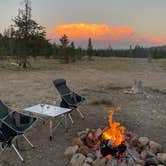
x=118 y=23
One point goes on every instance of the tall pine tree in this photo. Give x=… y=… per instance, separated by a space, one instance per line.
x=26 y=31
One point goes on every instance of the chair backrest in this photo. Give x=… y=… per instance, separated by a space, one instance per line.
x=4 y=110
x=61 y=86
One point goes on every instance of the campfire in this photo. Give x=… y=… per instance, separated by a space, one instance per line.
x=112 y=145
x=108 y=142
x=113 y=139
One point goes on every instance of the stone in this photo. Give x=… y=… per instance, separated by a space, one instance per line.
x=88 y=160
x=151 y=161
x=137 y=87
x=133 y=140
x=71 y=150
x=143 y=141
x=100 y=162
x=154 y=147
x=150 y=154
x=161 y=158
x=83 y=134
x=143 y=154
x=98 y=132
x=77 y=141
x=92 y=155
x=84 y=149
x=86 y=164
x=114 y=162
x=139 y=161
x=78 y=159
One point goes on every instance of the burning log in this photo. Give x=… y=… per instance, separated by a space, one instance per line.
x=107 y=148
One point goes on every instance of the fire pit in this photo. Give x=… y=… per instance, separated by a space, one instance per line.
x=113 y=146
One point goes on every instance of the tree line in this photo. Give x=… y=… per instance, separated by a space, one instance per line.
x=26 y=38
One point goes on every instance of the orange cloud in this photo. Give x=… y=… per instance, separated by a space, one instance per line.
x=155 y=40
x=103 y=34
x=82 y=31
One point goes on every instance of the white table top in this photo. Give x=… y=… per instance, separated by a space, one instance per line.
x=47 y=110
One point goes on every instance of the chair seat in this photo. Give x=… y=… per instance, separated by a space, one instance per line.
x=19 y=123
x=73 y=99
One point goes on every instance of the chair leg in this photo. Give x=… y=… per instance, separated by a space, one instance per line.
x=3 y=147
x=19 y=155
x=71 y=118
x=66 y=123
x=28 y=141
x=82 y=116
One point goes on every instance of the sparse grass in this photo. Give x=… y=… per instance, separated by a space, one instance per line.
x=103 y=64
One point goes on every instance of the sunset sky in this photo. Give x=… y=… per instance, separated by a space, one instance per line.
x=118 y=23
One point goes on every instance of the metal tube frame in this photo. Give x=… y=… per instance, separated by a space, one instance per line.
x=15 y=149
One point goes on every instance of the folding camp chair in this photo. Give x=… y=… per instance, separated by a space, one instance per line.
x=12 y=125
x=69 y=98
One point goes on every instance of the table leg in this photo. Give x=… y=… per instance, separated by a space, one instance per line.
x=51 y=130
x=66 y=123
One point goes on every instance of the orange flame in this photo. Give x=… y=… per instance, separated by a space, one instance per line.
x=115 y=133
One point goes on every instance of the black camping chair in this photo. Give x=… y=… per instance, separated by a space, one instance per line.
x=69 y=98
x=12 y=125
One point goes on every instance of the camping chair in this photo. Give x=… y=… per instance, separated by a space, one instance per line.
x=12 y=125
x=69 y=98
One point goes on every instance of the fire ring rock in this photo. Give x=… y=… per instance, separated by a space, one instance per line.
x=78 y=159
x=71 y=150
x=154 y=147
x=143 y=141
x=162 y=158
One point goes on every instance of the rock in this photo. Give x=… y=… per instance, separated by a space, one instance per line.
x=143 y=141
x=100 y=162
x=98 y=132
x=86 y=164
x=92 y=155
x=84 y=149
x=151 y=161
x=88 y=160
x=146 y=154
x=133 y=140
x=71 y=150
x=150 y=154
x=78 y=159
x=137 y=87
x=154 y=147
x=77 y=141
x=143 y=154
x=83 y=134
x=114 y=162
x=139 y=161
x=161 y=158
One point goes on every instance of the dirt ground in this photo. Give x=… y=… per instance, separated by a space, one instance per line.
x=98 y=80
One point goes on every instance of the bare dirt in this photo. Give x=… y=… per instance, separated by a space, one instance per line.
x=103 y=82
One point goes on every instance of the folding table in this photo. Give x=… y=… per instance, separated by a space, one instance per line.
x=49 y=111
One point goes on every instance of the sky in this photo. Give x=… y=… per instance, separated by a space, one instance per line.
x=115 y=23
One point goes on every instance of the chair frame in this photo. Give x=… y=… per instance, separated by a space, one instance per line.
x=5 y=145
x=72 y=106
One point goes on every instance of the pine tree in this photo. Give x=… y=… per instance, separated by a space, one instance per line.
x=26 y=30
x=65 y=48
x=72 y=51
x=90 y=49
